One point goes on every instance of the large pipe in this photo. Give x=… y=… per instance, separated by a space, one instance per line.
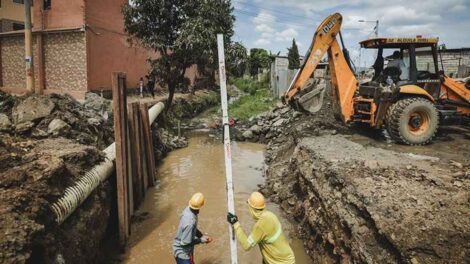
x=75 y=195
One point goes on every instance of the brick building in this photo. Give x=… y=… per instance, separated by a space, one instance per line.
x=11 y=15
x=77 y=46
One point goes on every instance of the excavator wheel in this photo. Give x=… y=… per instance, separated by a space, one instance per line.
x=412 y=121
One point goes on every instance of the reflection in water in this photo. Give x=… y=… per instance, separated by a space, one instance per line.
x=200 y=167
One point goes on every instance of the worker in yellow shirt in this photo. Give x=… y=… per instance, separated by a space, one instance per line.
x=267 y=233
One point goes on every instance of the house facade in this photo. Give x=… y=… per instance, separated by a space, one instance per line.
x=78 y=44
x=11 y=15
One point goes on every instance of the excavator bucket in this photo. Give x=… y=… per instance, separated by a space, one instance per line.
x=312 y=99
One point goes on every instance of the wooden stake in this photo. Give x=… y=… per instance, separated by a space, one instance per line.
x=120 y=134
x=148 y=144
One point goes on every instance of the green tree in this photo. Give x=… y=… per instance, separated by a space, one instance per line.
x=182 y=32
x=293 y=56
x=237 y=58
x=259 y=59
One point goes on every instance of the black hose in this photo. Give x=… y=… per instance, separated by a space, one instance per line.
x=346 y=54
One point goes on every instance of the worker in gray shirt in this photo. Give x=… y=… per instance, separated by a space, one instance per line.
x=188 y=235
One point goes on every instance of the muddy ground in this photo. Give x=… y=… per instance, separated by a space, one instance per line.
x=359 y=198
x=46 y=144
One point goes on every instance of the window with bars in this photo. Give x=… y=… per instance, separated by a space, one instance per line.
x=18 y=26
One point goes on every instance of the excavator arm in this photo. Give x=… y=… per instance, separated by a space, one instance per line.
x=343 y=81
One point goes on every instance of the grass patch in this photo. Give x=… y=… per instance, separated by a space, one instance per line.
x=248 y=85
x=252 y=105
x=257 y=99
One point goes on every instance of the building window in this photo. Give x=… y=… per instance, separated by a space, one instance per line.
x=18 y=1
x=18 y=26
x=47 y=4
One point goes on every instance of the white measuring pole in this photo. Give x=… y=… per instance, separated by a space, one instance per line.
x=227 y=147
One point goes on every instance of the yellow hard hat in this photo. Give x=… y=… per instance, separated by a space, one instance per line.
x=256 y=200
x=197 y=201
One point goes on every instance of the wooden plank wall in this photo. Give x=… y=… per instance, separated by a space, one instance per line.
x=135 y=160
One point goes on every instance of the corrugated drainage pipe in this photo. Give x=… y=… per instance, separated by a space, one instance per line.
x=75 y=195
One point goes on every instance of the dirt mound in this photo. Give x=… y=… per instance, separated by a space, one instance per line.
x=368 y=205
x=46 y=143
x=360 y=199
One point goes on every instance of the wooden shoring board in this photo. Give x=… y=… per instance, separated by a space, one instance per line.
x=150 y=157
x=120 y=135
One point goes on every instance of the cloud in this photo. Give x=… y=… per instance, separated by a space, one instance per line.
x=262 y=42
x=264 y=19
x=278 y=21
x=264 y=28
x=287 y=34
x=265 y=24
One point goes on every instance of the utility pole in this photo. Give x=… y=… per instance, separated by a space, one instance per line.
x=28 y=44
x=376 y=28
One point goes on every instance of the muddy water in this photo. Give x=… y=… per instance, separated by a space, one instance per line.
x=200 y=167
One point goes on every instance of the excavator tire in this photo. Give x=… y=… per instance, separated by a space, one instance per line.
x=412 y=121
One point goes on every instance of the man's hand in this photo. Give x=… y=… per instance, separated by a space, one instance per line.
x=206 y=239
x=231 y=218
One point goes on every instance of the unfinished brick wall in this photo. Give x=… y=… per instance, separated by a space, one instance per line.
x=65 y=61
x=450 y=60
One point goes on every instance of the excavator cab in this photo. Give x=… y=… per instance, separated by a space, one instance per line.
x=404 y=61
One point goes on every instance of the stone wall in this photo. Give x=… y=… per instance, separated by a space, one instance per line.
x=12 y=62
x=65 y=63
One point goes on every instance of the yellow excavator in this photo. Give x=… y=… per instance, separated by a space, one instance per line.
x=408 y=96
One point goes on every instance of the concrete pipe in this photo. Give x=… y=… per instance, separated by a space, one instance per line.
x=75 y=195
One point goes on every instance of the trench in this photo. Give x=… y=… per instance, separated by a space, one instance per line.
x=200 y=167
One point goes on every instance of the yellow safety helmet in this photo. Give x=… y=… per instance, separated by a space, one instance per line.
x=197 y=201
x=256 y=200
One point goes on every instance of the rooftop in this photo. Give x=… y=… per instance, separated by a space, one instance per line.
x=397 y=42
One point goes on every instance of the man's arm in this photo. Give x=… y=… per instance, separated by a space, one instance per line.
x=250 y=241
x=187 y=237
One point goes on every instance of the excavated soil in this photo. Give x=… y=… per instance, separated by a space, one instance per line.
x=39 y=158
x=46 y=144
x=360 y=198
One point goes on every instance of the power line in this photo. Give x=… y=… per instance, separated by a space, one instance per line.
x=273 y=10
x=289 y=22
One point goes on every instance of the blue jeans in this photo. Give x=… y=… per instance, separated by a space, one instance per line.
x=183 y=261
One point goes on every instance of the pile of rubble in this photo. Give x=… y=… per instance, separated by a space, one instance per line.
x=46 y=144
x=55 y=115
x=279 y=123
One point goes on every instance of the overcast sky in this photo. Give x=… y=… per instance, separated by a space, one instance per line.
x=272 y=24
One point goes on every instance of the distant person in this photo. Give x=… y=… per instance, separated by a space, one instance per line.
x=151 y=85
x=141 y=87
x=266 y=233
x=188 y=235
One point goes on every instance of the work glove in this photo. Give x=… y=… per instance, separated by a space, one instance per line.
x=231 y=218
